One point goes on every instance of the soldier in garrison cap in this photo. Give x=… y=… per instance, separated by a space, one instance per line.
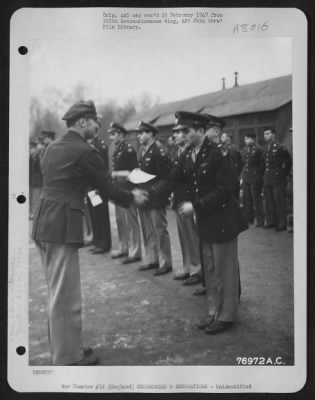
x=252 y=178
x=277 y=166
x=219 y=218
x=190 y=270
x=124 y=160
x=70 y=165
x=154 y=160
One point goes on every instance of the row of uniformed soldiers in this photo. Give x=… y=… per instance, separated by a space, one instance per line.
x=260 y=171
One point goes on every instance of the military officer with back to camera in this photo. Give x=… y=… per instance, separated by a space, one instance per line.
x=252 y=178
x=186 y=225
x=277 y=166
x=155 y=161
x=70 y=165
x=102 y=241
x=219 y=219
x=124 y=160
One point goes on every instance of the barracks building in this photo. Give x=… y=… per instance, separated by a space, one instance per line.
x=245 y=109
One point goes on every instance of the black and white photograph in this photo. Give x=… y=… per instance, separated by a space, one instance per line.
x=161 y=183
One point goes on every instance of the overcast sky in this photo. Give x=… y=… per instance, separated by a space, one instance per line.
x=168 y=69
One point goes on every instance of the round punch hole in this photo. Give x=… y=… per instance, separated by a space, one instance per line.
x=21 y=199
x=20 y=350
x=23 y=50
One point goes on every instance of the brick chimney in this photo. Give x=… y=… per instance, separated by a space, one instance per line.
x=236 y=82
x=223 y=83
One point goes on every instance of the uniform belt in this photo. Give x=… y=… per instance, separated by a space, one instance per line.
x=67 y=194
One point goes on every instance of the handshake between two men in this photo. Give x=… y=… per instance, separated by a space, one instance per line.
x=141 y=199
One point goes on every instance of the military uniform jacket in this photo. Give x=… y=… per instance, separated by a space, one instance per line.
x=253 y=164
x=184 y=191
x=155 y=161
x=100 y=145
x=213 y=182
x=277 y=164
x=69 y=166
x=124 y=157
x=235 y=156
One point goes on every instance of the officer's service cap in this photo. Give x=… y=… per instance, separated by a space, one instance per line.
x=214 y=121
x=115 y=127
x=185 y=120
x=146 y=127
x=81 y=109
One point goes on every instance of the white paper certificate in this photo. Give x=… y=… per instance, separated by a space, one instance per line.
x=247 y=66
x=137 y=176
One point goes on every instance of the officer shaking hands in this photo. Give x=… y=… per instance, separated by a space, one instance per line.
x=69 y=166
x=219 y=219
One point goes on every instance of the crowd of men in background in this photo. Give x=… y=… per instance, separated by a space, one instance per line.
x=214 y=188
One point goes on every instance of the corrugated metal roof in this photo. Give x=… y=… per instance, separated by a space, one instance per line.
x=261 y=96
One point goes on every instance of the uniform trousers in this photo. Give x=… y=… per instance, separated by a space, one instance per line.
x=62 y=271
x=128 y=231
x=34 y=195
x=221 y=273
x=156 y=239
x=253 y=202
x=189 y=243
x=275 y=203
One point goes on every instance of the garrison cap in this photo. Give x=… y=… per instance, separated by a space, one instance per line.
x=81 y=109
x=214 y=121
x=49 y=134
x=185 y=119
x=115 y=127
x=146 y=127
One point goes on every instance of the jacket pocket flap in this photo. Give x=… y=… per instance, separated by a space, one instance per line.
x=77 y=204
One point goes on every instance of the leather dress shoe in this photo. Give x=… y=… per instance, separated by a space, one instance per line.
x=194 y=279
x=163 y=271
x=130 y=260
x=118 y=255
x=204 y=323
x=87 y=359
x=98 y=250
x=147 y=267
x=200 y=292
x=181 y=277
x=218 y=327
x=259 y=224
x=268 y=226
x=281 y=228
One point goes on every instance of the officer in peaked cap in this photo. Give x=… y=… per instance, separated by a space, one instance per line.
x=219 y=218
x=252 y=177
x=155 y=161
x=124 y=160
x=277 y=167
x=69 y=167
